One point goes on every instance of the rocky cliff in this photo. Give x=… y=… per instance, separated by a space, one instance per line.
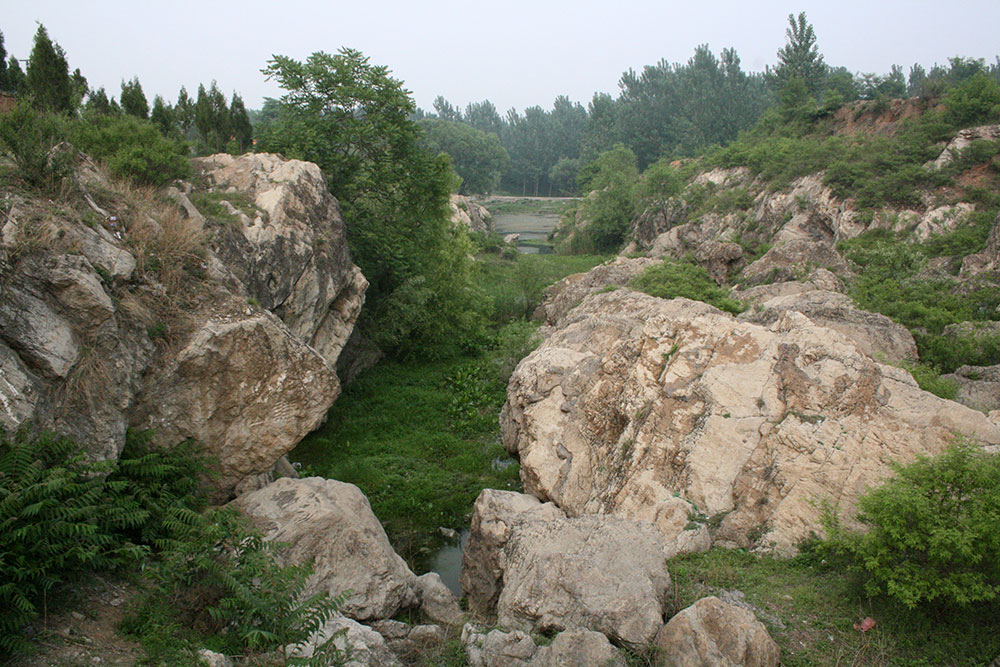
x=215 y=311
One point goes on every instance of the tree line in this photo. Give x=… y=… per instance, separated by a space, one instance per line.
x=672 y=110
x=208 y=123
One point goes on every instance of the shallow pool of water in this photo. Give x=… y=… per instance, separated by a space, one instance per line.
x=448 y=563
x=531 y=227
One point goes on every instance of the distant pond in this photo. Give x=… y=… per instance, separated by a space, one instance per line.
x=533 y=227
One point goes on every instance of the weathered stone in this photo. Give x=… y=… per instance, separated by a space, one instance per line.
x=470 y=215
x=987 y=260
x=494 y=516
x=359 y=644
x=962 y=140
x=978 y=386
x=712 y=633
x=560 y=298
x=578 y=647
x=497 y=648
x=634 y=400
x=601 y=573
x=248 y=390
x=291 y=254
x=426 y=634
x=437 y=601
x=331 y=524
x=874 y=334
x=18 y=390
x=213 y=659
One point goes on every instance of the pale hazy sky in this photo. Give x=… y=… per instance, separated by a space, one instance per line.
x=515 y=53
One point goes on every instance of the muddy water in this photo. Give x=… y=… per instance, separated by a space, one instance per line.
x=531 y=227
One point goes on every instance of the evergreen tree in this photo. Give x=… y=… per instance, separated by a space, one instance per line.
x=162 y=116
x=97 y=102
x=211 y=118
x=184 y=111
x=47 y=80
x=133 y=100
x=15 y=76
x=800 y=57
x=445 y=111
x=239 y=124
x=79 y=83
x=4 y=85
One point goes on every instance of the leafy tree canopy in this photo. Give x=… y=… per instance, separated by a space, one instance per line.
x=478 y=157
x=353 y=119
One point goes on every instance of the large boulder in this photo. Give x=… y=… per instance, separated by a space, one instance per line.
x=633 y=401
x=978 y=386
x=874 y=334
x=470 y=215
x=494 y=517
x=497 y=648
x=713 y=633
x=331 y=525
x=290 y=251
x=357 y=644
x=600 y=573
x=247 y=389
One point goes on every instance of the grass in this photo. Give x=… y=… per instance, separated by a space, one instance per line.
x=209 y=203
x=514 y=286
x=536 y=206
x=810 y=611
x=421 y=440
x=673 y=279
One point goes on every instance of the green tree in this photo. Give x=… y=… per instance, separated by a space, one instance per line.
x=611 y=181
x=484 y=117
x=162 y=116
x=800 y=58
x=133 y=100
x=239 y=124
x=15 y=76
x=478 y=158
x=445 y=110
x=48 y=80
x=211 y=119
x=353 y=119
x=4 y=82
x=79 y=83
x=97 y=102
x=184 y=112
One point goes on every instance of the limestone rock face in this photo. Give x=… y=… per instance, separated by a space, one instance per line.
x=265 y=391
x=494 y=516
x=978 y=386
x=987 y=261
x=437 y=601
x=559 y=298
x=578 y=647
x=963 y=140
x=291 y=254
x=874 y=334
x=596 y=572
x=466 y=213
x=331 y=524
x=136 y=311
x=633 y=401
x=712 y=633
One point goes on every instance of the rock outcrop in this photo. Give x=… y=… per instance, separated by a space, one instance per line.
x=874 y=334
x=532 y=568
x=712 y=633
x=632 y=401
x=127 y=311
x=560 y=298
x=331 y=525
x=467 y=213
x=978 y=386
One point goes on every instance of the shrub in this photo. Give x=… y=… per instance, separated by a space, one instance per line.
x=933 y=531
x=672 y=279
x=975 y=100
x=29 y=137
x=225 y=580
x=131 y=147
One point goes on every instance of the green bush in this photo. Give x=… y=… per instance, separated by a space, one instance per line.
x=975 y=100
x=29 y=138
x=225 y=580
x=933 y=534
x=673 y=279
x=131 y=147
x=62 y=515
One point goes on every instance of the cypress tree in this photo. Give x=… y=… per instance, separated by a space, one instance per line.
x=48 y=81
x=133 y=100
x=239 y=123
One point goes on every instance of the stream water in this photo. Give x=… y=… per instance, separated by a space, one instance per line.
x=531 y=227
x=448 y=563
